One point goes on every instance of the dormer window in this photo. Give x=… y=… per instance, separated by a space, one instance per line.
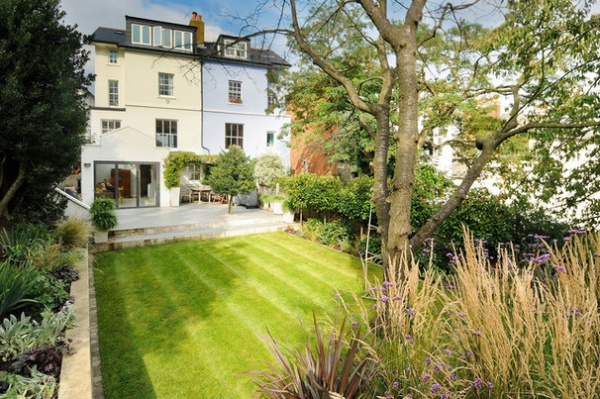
x=159 y=36
x=141 y=34
x=163 y=37
x=235 y=50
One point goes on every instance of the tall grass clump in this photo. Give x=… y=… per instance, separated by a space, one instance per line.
x=489 y=329
x=495 y=330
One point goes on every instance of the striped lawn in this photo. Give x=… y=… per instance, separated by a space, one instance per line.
x=183 y=320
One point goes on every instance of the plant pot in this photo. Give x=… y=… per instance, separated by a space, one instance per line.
x=277 y=207
x=174 y=193
x=288 y=217
x=100 y=236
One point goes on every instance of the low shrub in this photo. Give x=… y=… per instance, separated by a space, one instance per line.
x=20 y=335
x=37 y=386
x=48 y=291
x=73 y=233
x=16 y=285
x=19 y=244
x=312 y=229
x=334 y=233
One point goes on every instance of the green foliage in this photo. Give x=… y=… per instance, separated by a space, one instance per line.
x=72 y=234
x=38 y=386
x=308 y=191
x=21 y=243
x=42 y=108
x=430 y=191
x=21 y=335
x=48 y=291
x=312 y=229
x=102 y=214
x=232 y=174
x=16 y=285
x=173 y=167
x=268 y=170
x=334 y=233
x=355 y=199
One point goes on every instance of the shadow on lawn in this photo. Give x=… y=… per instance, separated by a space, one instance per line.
x=124 y=374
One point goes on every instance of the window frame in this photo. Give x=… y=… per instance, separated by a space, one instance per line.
x=234 y=93
x=113 y=57
x=142 y=30
x=180 y=36
x=168 y=133
x=235 y=50
x=234 y=135
x=108 y=125
x=113 y=93
x=270 y=139
x=166 y=88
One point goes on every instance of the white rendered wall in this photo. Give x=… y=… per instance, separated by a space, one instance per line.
x=251 y=113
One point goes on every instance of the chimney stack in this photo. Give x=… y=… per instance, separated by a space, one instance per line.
x=196 y=21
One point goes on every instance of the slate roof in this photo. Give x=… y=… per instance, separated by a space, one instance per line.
x=110 y=36
x=208 y=52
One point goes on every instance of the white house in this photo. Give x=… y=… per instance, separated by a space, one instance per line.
x=160 y=88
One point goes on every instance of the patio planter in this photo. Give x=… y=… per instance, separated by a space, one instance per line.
x=100 y=236
x=174 y=193
x=277 y=207
x=288 y=217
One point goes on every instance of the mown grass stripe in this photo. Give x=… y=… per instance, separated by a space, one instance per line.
x=181 y=320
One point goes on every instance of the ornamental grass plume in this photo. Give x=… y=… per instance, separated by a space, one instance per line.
x=492 y=329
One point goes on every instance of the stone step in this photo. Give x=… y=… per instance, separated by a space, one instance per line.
x=198 y=231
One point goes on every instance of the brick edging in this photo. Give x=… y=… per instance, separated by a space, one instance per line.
x=97 y=392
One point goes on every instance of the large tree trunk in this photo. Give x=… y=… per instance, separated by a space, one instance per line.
x=407 y=140
x=380 y=189
x=12 y=189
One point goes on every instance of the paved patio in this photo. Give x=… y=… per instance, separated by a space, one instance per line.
x=190 y=214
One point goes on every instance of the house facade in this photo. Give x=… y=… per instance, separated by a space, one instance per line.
x=151 y=99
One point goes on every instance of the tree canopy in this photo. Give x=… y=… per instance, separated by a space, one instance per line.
x=42 y=85
x=233 y=174
x=407 y=72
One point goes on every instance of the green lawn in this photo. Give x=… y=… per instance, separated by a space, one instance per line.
x=183 y=320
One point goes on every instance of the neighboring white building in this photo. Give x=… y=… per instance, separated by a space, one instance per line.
x=149 y=102
x=235 y=97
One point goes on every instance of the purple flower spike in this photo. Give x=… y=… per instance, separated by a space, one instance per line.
x=448 y=352
x=477 y=333
x=383 y=299
x=388 y=395
x=558 y=268
x=428 y=360
x=395 y=385
x=453 y=376
x=444 y=396
x=375 y=306
x=387 y=284
x=490 y=385
x=462 y=314
x=411 y=312
x=396 y=298
x=426 y=377
x=435 y=388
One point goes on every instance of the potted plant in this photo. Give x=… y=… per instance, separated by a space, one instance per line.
x=288 y=212
x=103 y=218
